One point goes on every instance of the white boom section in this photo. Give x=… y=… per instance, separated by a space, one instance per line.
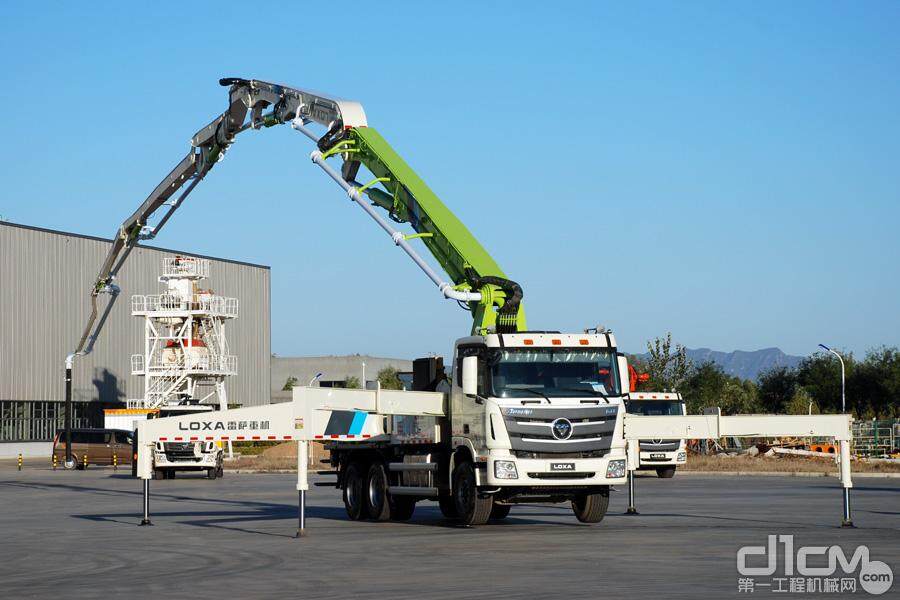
x=314 y=414
x=714 y=426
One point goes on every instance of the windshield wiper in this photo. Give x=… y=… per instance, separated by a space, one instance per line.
x=533 y=391
x=580 y=390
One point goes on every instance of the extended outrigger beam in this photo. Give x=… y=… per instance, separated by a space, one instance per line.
x=714 y=425
x=323 y=415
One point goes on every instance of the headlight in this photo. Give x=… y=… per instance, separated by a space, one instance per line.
x=505 y=469
x=681 y=456
x=615 y=469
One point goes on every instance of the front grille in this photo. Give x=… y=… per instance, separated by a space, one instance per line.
x=659 y=445
x=573 y=475
x=555 y=455
x=180 y=451
x=531 y=429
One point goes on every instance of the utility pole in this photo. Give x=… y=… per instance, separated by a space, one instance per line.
x=843 y=379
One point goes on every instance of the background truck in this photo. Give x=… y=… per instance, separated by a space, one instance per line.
x=191 y=455
x=663 y=455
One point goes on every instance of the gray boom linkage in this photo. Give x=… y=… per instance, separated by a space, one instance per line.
x=208 y=146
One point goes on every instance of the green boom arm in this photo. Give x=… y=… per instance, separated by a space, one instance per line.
x=409 y=200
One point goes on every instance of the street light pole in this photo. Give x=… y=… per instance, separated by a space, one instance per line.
x=363 y=375
x=843 y=380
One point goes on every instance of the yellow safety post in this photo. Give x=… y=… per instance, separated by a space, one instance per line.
x=84 y=461
x=20 y=461
x=115 y=462
x=55 y=461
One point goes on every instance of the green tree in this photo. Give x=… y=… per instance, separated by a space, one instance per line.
x=875 y=384
x=820 y=375
x=352 y=382
x=668 y=368
x=801 y=403
x=777 y=387
x=704 y=387
x=709 y=386
x=289 y=384
x=389 y=379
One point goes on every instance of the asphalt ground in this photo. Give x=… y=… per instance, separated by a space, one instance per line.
x=68 y=535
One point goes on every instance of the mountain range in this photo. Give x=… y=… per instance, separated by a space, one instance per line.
x=743 y=363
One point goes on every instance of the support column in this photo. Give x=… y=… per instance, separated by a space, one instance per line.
x=846 y=483
x=633 y=457
x=302 y=485
x=146 y=519
x=69 y=461
x=631 y=509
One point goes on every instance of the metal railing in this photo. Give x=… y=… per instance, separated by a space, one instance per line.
x=185 y=266
x=213 y=305
x=875 y=438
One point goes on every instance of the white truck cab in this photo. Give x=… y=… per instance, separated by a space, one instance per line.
x=662 y=455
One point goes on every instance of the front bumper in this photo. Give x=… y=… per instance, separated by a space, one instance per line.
x=674 y=458
x=555 y=473
x=161 y=460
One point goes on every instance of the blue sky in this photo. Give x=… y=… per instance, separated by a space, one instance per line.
x=727 y=172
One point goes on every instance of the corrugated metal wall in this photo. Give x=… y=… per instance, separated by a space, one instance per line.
x=45 y=278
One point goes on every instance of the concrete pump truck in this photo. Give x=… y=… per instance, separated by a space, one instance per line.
x=528 y=415
x=522 y=416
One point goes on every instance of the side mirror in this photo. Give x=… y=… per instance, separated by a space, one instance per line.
x=624 y=375
x=470 y=375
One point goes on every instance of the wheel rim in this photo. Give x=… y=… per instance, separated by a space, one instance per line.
x=376 y=493
x=352 y=499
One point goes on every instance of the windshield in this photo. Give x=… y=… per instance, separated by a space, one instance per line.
x=654 y=407
x=566 y=372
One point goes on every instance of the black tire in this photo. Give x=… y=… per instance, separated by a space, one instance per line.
x=500 y=511
x=70 y=466
x=378 y=504
x=159 y=474
x=212 y=473
x=665 y=472
x=472 y=508
x=354 y=486
x=591 y=508
x=448 y=506
x=170 y=473
x=220 y=471
x=402 y=508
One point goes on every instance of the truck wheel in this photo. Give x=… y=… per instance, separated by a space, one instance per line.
x=220 y=471
x=402 y=508
x=377 y=504
x=500 y=511
x=472 y=509
x=159 y=474
x=212 y=473
x=448 y=506
x=170 y=473
x=69 y=465
x=666 y=472
x=591 y=508
x=354 y=484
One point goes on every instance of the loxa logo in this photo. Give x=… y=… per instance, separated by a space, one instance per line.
x=828 y=575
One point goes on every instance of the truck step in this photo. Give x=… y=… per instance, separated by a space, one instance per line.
x=412 y=466
x=403 y=490
x=325 y=483
x=326 y=472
